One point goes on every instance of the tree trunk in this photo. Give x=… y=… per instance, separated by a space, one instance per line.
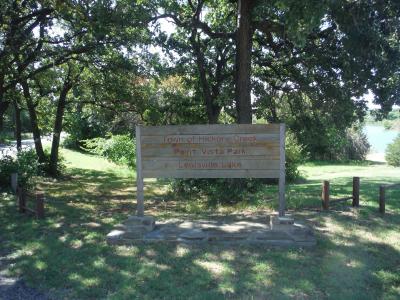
x=58 y=127
x=3 y=108
x=3 y=105
x=18 y=126
x=34 y=122
x=243 y=62
x=213 y=110
x=1 y=121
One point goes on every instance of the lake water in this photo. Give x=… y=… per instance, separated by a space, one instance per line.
x=379 y=137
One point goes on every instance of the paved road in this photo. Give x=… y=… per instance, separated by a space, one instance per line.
x=11 y=149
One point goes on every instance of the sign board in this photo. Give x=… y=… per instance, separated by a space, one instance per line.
x=211 y=151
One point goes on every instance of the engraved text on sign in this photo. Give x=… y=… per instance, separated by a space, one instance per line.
x=211 y=151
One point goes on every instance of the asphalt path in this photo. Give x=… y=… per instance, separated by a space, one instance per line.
x=11 y=149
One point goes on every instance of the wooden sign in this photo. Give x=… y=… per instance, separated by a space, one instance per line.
x=211 y=151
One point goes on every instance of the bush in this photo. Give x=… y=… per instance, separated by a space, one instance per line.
x=25 y=164
x=295 y=156
x=70 y=142
x=393 y=153
x=357 y=146
x=120 y=149
x=7 y=166
x=28 y=167
x=6 y=137
x=45 y=168
x=387 y=124
x=218 y=191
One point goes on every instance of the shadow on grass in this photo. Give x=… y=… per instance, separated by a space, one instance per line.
x=75 y=262
x=67 y=257
x=308 y=194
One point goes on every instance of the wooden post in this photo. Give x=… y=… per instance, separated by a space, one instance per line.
x=356 y=191
x=139 y=176
x=40 y=205
x=21 y=199
x=282 y=173
x=14 y=182
x=325 y=195
x=382 y=199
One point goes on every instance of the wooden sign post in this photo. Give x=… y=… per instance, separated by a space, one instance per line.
x=210 y=151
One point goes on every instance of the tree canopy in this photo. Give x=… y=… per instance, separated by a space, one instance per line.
x=307 y=63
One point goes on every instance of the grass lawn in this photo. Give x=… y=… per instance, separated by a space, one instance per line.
x=357 y=254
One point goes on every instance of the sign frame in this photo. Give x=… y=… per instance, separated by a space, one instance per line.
x=140 y=174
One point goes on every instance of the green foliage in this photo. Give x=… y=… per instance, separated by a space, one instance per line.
x=45 y=167
x=165 y=271
x=70 y=142
x=120 y=149
x=6 y=137
x=295 y=156
x=25 y=164
x=83 y=123
x=322 y=132
x=347 y=144
x=218 y=191
x=387 y=124
x=357 y=145
x=393 y=153
x=169 y=103
x=28 y=167
x=7 y=167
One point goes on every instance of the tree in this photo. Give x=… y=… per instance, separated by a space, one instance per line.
x=68 y=31
x=71 y=77
x=244 y=42
x=307 y=45
x=18 y=46
x=204 y=46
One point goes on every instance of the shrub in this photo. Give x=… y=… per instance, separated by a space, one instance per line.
x=25 y=164
x=70 y=142
x=45 y=167
x=120 y=149
x=82 y=124
x=7 y=166
x=6 y=137
x=28 y=167
x=295 y=156
x=218 y=191
x=387 y=124
x=393 y=152
x=357 y=146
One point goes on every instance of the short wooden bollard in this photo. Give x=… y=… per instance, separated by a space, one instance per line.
x=325 y=195
x=40 y=205
x=326 y=200
x=21 y=199
x=37 y=197
x=382 y=199
x=14 y=182
x=356 y=192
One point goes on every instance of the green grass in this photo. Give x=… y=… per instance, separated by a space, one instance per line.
x=357 y=255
